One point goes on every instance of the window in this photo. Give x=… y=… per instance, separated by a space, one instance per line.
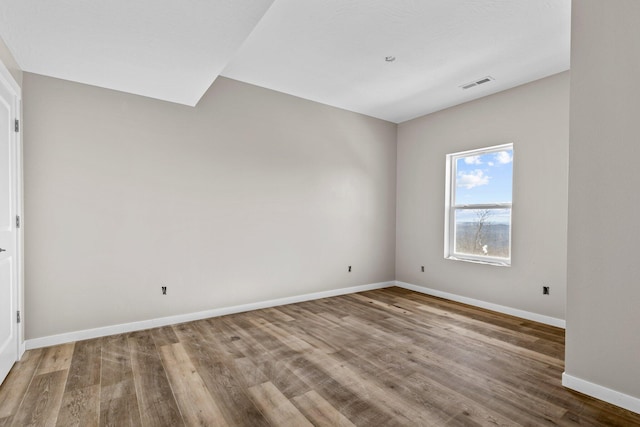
x=478 y=205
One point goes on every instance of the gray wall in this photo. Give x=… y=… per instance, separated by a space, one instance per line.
x=603 y=310
x=6 y=57
x=250 y=196
x=535 y=117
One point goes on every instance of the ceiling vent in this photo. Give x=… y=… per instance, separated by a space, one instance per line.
x=477 y=82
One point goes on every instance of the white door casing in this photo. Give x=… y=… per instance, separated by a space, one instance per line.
x=10 y=202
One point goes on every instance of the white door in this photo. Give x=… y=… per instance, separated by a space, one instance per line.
x=8 y=230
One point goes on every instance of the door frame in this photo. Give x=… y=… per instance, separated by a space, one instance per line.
x=7 y=78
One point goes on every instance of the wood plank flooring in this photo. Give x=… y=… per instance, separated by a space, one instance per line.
x=380 y=358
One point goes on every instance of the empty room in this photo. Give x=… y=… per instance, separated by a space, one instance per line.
x=319 y=213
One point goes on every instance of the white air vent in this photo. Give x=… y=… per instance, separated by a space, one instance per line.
x=477 y=82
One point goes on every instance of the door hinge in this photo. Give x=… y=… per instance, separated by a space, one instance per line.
x=17 y=221
x=17 y=125
x=19 y=316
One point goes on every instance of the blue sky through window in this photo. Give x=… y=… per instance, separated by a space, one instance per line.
x=485 y=178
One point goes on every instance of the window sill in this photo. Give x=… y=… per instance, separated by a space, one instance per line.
x=495 y=263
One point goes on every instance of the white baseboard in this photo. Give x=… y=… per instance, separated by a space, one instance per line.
x=181 y=318
x=547 y=320
x=603 y=393
x=172 y=320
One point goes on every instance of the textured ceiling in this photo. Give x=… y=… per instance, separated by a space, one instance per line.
x=166 y=49
x=333 y=51
x=329 y=51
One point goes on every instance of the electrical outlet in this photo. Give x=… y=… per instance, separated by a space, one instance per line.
x=164 y=290
x=545 y=290
x=422 y=268
x=349 y=269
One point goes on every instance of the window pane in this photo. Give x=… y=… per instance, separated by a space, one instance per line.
x=484 y=178
x=483 y=232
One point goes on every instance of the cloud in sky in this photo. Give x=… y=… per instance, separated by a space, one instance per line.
x=473 y=160
x=504 y=157
x=472 y=179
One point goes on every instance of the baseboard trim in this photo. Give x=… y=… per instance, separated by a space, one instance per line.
x=181 y=318
x=547 y=320
x=603 y=393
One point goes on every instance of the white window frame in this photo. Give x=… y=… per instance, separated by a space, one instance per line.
x=451 y=208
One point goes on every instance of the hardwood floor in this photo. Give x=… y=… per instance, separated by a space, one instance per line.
x=386 y=357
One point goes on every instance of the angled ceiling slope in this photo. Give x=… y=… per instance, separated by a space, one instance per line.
x=329 y=51
x=170 y=50
x=333 y=51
